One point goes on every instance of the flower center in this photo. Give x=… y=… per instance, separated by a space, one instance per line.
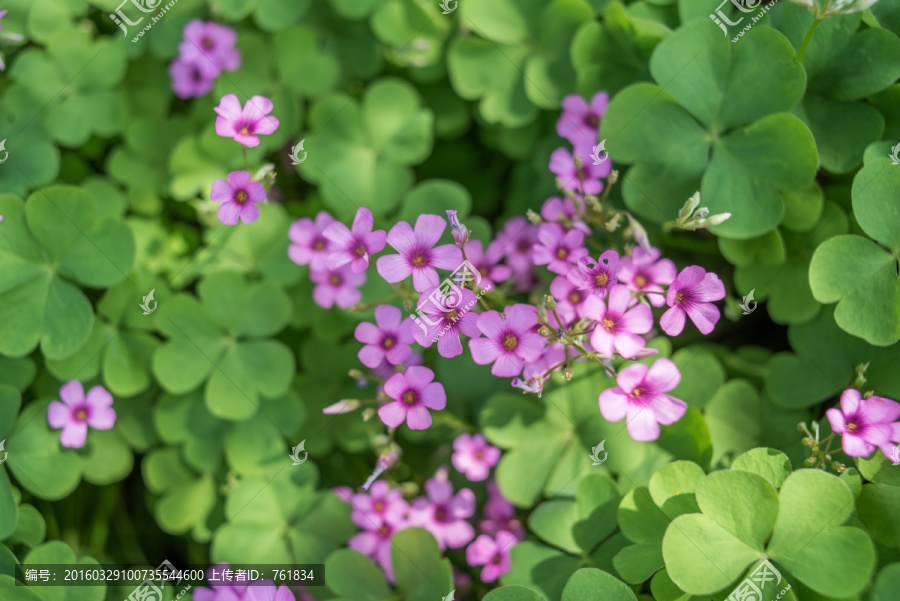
x=510 y=342
x=574 y=298
x=319 y=244
x=679 y=297
x=852 y=427
x=384 y=530
x=593 y=120
x=359 y=250
x=378 y=506
x=601 y=279
x=523 y=246
x=608 y=324
x=452 y=315
x=561 y=253
x=81 y=415
x=240 y=197
x=207 y=43
x=496 y=559
x=334 y=279
x=640 y=281
x=409 y=398
x=388 y=342
x=440 y=514
x=582 y=175
x=418 y=261
x=636 y=393
x=244 y=131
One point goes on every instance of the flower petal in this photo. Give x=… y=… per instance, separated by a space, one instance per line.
x=393 y=414
x=72 y=393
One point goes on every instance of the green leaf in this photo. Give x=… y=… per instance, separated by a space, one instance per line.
x=514 y=593
x=878 y=507
x=36 y=459
x=422 y=575
x=352 y=575
x=771 y=464
x=875 y=213
x=742 y=503
x=59 y=553
x=701 y=376
x=554 y=521
x=31 y=528
x=637 y=563
x=9 y=511
x=597 y=502
x=885 y=584
x=588 y=583
x=540 y=568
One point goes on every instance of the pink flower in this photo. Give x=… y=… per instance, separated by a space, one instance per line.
x=219 y=592
x=309 y=244
x=77 y=412
x=558 y=248
x=564 y=211
x=640 y=397
x=375 y=542
x=618 y=326
x=585 y=180
x=645 y=272
x=487 y=264
x=492 y=553
x=354 y=246
x=579 y=122
x=460 y=231
x=596 y=276
x=552 y=354
x=863 y=423
x=569 y=299
x=190 y=80
x=414 y=394
x=445 y=317
x=211 y=44
x=500 y=514
x=382 y=501
x=389 y=340
x=417 y=253
x=336 y=287
x=516 y=242
x=533 y=385
x=245 y=124
x=691 y=293
x=266 y=590
x=239 y=196
x=444 y=514
x=510 y=340
x=474 y=457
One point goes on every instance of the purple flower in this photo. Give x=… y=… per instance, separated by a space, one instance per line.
x=510 y=341
x=190 y=80
x=211 y=44
x=310 y=246
x=444 y=315
x=500 y=514
x=354 y=246
x=417 y=254
x=414 y=394
x=558 y=248
x=486 y=263
x=691 y=293
x=219 y=592
x=585 y=180
x=460 y=231
x=386 y=459
x=533 y=385
x=389 y=340
x=375 y=542
x=239 y=196
x=596 y=276
x=492 y=553
x=617 y=325
x=266 y=590
x=444 y=514
x=890 y=451
x=569 y=299
x=77 y=412
x=474 y=457
x=564 y=211
x=516 y=241
x=579 y=122
x=383 y=502
x=2 y=14
x=245 y=123
x=640 y=397
x=552 y=354
x=336 y=287
x=645 y=272
x=863 y=423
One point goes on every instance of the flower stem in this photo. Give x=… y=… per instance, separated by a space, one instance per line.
x=807 y=40
x=246 y=162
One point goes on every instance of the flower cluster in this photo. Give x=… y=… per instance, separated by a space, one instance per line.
x=866 y=423
x=207 y=50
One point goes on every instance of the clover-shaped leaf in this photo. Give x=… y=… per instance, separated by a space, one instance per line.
x=415 y=31
x=589 y=583
x=717 y=127
x=59 y=553
x=187 y=498
x=367 y=581
x=223 y=341
x=422 y=573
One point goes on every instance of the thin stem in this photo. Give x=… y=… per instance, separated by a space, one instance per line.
x=807 y=39
x=448 y=419
x=246 y=162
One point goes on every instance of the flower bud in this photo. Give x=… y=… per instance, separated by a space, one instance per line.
x=613 y=177
x=692 y=203
x=342 y=406
x=810 y=461
x=545 y=332
x=550 y=302
x=579 y=163
x=355 y=374
x=534 y=217
x=567 y=372
x=717 y=219
x=460 y=232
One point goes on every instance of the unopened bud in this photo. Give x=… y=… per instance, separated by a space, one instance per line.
x=550 y=302
x=545 y=332
x=613 y=224
x=701 y=213
x=368 y=413
x=718 y=219
x=810 y=461
x=460 y=232
x=613 y=177
x=868 y=394
x=579 y=163
x=407 y=305
x=534 y=217
x=567 y=372
x=343 y=406
x=355 y=374
x=692 y=203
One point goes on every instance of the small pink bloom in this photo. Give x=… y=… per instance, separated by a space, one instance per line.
x=596 y=276
x=511 y=340
x=245 y=124
x=190 y=80
x=585 y=180
x=492 y=553
x=382 y=501
x=239 y=196
x=644 y=271
x=309 y=246
x=863 y=423
x=354 y=246
x=76 y=412
x=460 y=231
x=499 y=514
x=375 y=542
x=414 y=394
x=516 y=242
x=564 y=211
x=444 y=514
x=640 y=398
x=557 y=248
x=569 y=299
x=210 y=44
x=618 y=326
x=692 y=294
x=444 y=317
x=336 y=287
x=579 y=122
x=474 y=457
x=533 y=385
x=389 y=340
x=486 y=263
x=418 y=255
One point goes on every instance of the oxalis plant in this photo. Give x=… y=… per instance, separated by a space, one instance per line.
x=407 y=300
